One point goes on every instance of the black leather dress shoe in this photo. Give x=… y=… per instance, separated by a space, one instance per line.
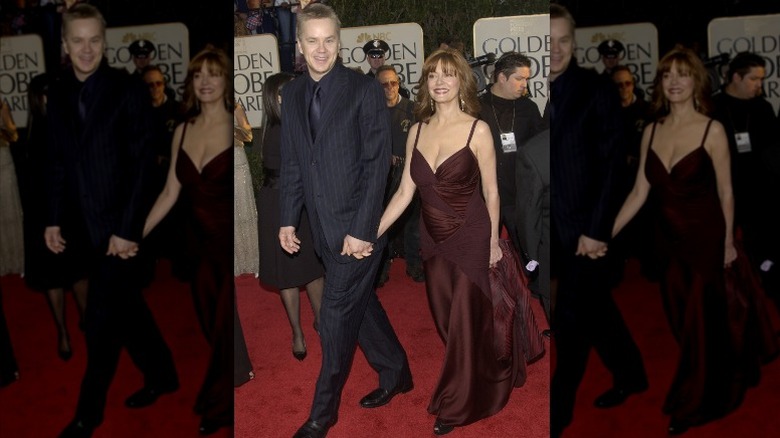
x=148 y=395
x=77 y=429
x=677 y=427
x=312 y=429
x=380 y=396
x=616 y=395
x=440 y=428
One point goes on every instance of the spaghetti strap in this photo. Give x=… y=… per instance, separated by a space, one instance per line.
x=652 y=135
x=183 y=132
x=473 y=126
x=417 y=137
x=706 y=131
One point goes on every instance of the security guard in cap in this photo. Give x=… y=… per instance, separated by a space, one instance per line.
x=375 y=55
x=142 y=54
x=610 y=51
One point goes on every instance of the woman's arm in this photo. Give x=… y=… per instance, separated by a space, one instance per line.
x=482 y=143
x=718 y=147
x=170 y=192
x=403 y=196
x=638 y=195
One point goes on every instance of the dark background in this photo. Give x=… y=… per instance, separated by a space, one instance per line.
x=677 y=21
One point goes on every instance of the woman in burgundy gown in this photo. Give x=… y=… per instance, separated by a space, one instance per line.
x=451 y=160
x=685 y=172
x=202 y=172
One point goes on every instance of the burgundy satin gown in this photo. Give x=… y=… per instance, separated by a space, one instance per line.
x=711 y=379
x=475 y=381
x=208 y=195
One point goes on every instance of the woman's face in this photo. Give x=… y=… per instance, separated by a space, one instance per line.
x=208 y=87
x=678 y=84
x=442 y=86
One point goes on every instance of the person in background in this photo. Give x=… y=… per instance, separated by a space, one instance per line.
x=375 y=51
x=513 y=119
x=278 y=269
x=404 y=238
x=45 y=271
x=11 y=242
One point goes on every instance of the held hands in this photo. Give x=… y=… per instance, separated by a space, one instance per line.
x=288 y=240
x=356 y=247
x=591 y=247
x=118 y=246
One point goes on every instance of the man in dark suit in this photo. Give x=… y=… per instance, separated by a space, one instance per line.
x=584 y=162
x=335 y=160
x=532 y=180
x=100 y=170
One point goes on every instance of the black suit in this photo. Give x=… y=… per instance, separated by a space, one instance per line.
x=533 y=209
x=584 y=164
x=101 y=167
x=341 y=177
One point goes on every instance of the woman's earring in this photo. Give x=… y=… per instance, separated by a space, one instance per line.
x=462 y=102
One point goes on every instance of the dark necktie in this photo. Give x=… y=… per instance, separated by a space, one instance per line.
x=315 y=111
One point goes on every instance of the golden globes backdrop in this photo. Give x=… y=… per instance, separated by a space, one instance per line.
x=171 y=49
x=756 y=33
x=21 y=59
x=255 y=57
x=641 y=49
x=526 y=34
x=406 y=53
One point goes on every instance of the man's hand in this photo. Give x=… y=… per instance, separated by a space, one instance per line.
x=54 y=240
x=289 y=241
x=356 y=247
x=120 y=247
x=591 y=247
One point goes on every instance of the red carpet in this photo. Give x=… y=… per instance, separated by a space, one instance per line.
x=277 y=401
x=43 y=401
x=641 y=415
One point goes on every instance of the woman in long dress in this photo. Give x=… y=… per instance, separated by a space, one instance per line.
x=202 y=173
x=278 y=269
x=246 y=257
x=11 y=242
x=685 y=172
x=451 y=160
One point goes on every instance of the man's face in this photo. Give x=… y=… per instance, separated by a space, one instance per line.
x=319 y=44
x=749 y=86
x=610 y=61
x=389 y=82
x=376 y=60
x=625 y=83
x=84 y=44
x=562 y=38
x=156 y=82
x=513 y=86
x=141 y=62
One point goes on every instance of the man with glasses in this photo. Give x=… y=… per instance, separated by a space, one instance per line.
x=405 y=234
x=375 y=55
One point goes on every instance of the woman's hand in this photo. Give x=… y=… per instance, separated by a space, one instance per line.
x=495 y=254
x=730 y=254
